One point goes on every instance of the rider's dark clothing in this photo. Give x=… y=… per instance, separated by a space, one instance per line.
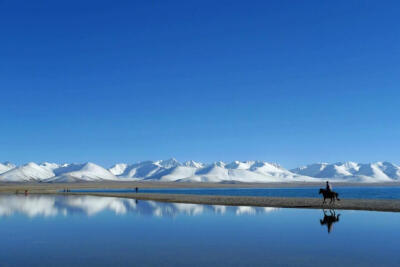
x=328 y=187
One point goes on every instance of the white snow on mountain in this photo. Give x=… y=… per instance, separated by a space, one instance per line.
x=169 y=163
x=239 y=165
x=192 y=171
x=141 y=170
x=351 y=171
x=194 y=164
x=50 y=166
x=6 y=166
x=118 y=169
x=215 y=172
x=174 y=173
x=146 y=169
x=310 y=170
x=270 y=169
x=81 y=172
x=390 y=169
x=27 y=172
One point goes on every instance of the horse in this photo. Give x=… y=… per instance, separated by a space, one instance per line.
x=329 y=194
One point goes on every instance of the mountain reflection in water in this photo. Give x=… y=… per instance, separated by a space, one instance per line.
x=79 y=230
x=46 y=206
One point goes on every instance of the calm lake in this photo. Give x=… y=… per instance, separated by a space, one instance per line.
x=383 y=192
x=47 y=230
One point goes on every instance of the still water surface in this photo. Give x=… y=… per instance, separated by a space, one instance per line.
x=102 y=231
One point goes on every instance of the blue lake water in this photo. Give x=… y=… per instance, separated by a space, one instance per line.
x=344 y=192
x=102 y=231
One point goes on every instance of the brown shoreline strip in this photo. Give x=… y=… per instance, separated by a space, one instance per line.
x=279 y=202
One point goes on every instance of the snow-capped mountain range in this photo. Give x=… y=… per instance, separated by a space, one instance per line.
x=192 y=171
x=370 y=172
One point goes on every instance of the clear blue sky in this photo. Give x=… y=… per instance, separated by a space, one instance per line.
x=292 y=82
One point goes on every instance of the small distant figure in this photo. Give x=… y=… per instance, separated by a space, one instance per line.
x=136 y=189
x=26 y=192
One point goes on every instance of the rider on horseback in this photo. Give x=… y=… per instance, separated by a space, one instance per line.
x=328 y=187
x=328 y=193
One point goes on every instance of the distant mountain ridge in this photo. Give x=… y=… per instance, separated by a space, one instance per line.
x=53 y=172
x=370 y=172
x=192 y=171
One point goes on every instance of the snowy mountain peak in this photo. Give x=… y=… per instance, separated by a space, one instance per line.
x=51 y=166
x=31 y=164
x=118 y=168
x=6 y=166
x=193 y=164
x=310 y=170
x=81 y=172
x=168 y=163
x=243 y=165
x=28 y=172
x=219 y=164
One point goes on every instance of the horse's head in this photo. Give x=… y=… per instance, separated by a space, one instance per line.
x=321 y=191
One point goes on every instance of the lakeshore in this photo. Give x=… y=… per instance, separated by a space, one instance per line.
x=259 y=201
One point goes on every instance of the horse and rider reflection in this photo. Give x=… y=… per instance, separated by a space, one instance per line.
x=329 y=219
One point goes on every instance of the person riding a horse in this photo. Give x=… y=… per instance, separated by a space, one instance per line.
x=328 y=193
x=328 y=187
